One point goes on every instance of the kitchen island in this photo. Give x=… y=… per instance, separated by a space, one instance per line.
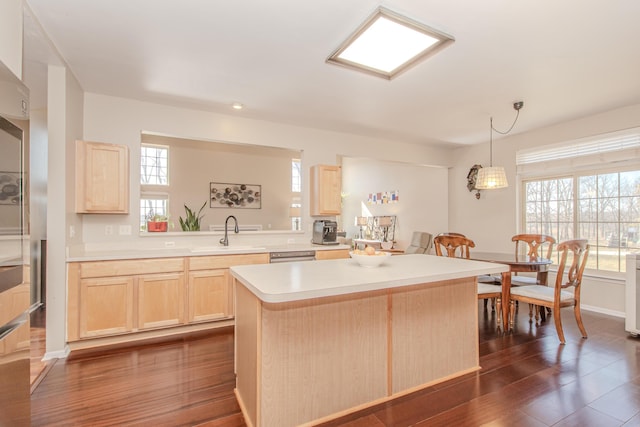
x=317 y=340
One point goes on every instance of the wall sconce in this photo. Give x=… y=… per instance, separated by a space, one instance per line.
x=362 y=222
x=295 y=212
x=494 y=177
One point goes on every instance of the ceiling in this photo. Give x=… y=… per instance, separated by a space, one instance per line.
x=565 y=59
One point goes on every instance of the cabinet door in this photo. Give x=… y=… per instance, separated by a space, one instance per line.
x=160 y=300
x=107 y=306
x=326 y=185
x=335 y=254
x=102 y=178
x=209 y=295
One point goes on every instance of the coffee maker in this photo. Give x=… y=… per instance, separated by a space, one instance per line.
x=324 y=232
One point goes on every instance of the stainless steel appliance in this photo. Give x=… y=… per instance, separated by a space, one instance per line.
x=324 y=232
x=14 y=290
x=292 y=256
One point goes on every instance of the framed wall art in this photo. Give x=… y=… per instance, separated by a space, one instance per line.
x=10 y=188
x=236 y=196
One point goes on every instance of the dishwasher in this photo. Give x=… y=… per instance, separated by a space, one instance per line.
x=291 y=256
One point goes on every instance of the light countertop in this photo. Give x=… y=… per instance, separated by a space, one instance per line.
x=276 y=283
x=169 y=252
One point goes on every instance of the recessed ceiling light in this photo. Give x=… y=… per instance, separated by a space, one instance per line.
x=237 y=106
x=387 y=44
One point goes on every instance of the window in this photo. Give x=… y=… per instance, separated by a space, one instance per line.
x=598 y=201
x=154 y=164
x=152 y=204
x=296 y=179
x=154 y=172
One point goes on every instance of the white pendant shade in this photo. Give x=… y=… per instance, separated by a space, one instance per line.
x=491 y=178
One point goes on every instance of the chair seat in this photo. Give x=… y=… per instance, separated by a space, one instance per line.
x=523 y=280
x=485 y=288
x=487 y=278
x=544 y=293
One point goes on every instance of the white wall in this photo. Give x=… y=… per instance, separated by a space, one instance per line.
x=119 y=120
x=492 y=220
x=423 y=192
x=11 y=24
x=64 y=127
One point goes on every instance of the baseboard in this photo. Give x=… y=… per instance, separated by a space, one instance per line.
x=60 y=354
x=601 y=310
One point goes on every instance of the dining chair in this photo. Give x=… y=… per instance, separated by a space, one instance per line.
x=558 y=296
x=453 y=245
x=457 y=245
x=421 y=242
x=534 y=245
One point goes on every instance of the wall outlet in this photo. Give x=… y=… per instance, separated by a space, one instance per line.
x=124 y=230
x=108 y=230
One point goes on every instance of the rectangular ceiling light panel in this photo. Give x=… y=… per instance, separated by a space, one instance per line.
x=387 y=44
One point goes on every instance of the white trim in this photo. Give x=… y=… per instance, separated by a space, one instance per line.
x=60 y=354
x=614 y=313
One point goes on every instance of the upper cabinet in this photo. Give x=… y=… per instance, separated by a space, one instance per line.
x=102 y=178
x=326 y=186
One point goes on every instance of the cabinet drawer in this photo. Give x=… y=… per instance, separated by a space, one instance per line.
x=130 y=267
x=226 y=261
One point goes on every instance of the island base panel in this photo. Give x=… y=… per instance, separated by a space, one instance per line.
x=309 y=361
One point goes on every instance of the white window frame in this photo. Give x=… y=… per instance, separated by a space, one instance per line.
x=614 y=152
x=166 y=168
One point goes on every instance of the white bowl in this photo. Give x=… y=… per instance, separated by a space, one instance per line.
x=370 y=260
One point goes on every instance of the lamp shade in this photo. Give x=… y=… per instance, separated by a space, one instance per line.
x=361 y=221
x=491 y=178
x=384 y=221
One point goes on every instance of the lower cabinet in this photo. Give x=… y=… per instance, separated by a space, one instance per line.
x=210 y=295
x=160 y=300
x=107 y=306
x=210 y=285
x=111 y=298
x=332 y=254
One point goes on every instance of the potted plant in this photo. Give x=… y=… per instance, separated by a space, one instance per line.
x=157 y=222
x=192 y=220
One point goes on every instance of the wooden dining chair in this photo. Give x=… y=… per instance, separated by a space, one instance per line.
x=558 y=296
x=535 y=245
x=453 y=245
x=457 y=245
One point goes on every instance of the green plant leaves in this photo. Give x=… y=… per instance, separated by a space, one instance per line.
x=192 y=221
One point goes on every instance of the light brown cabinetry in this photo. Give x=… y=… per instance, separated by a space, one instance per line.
x=334 y=254
x=117 y=297
x=120 y=297
x=326 y=186
x=102 y=178
x=210 y=292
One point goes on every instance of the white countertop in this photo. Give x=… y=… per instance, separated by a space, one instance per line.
x=275 y=283
x=169 y=252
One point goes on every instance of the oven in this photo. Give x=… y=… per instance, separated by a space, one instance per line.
x=14 y=290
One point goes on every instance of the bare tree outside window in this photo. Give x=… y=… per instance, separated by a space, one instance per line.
x=603 y=208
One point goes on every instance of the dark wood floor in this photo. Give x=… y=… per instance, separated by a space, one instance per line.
x=527 y=379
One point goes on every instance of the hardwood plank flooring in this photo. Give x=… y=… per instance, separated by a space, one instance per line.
x=527 y=379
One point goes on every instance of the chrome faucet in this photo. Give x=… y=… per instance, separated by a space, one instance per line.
x=225 y=240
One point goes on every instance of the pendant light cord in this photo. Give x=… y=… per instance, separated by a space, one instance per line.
x=517 y=108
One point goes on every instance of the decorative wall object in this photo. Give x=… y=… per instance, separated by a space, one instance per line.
x=383 y=197
x=10 y=188
x=239 y=196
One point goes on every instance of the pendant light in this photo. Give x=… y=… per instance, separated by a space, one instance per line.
x=494 y=177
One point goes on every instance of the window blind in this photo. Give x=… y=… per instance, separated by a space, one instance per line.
x=606 y=148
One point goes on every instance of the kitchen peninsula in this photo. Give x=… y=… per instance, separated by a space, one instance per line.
x=316 y=340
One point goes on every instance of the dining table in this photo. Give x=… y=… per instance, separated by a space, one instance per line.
x=520 y=263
